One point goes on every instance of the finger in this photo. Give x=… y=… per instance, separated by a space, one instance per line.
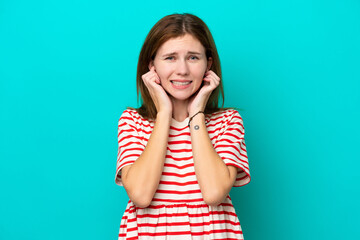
x=153 y=81
x=210 y=78
x=215 y=79
x=150 y=76
x=146 y=75
x=155 y=78
x=212 y=81
x=207 y=79
x=213 y=74
x=209 y=72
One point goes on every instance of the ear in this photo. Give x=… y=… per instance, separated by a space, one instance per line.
x=209 y=64
x=151 y=63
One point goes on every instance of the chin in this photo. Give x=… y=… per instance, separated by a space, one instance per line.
x=181 y=97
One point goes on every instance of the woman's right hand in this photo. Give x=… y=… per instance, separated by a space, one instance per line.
x=159 y=96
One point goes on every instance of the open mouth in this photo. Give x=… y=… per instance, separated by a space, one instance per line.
x=182 y=83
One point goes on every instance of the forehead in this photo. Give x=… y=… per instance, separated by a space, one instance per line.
x=181 y=44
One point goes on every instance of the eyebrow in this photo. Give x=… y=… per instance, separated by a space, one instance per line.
x=174 y=53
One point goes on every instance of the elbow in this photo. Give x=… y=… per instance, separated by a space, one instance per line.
x=213 y=202
x=140 y=199
x=214 y=198
x=141 y=203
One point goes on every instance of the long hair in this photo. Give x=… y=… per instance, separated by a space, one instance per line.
x=173 y=26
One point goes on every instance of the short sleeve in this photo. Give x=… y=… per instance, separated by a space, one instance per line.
x=130 y=144
x=230 y=146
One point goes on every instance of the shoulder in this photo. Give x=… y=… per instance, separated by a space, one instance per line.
x=226 y=120
x=225 y=116
x=133 y=117
x=129 y=113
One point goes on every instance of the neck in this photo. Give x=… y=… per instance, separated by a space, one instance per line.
x=180 y=109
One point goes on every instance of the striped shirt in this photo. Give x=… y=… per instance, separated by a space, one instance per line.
x=177 y=210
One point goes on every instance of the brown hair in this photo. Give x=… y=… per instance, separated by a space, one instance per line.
x=173 y=26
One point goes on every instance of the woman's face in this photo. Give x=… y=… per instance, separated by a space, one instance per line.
x=181 y=64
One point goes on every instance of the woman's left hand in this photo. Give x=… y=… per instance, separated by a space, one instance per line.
x=199 y=100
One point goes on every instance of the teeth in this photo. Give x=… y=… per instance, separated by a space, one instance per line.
x=180 y=83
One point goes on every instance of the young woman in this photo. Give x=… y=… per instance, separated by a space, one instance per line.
x=179 y=153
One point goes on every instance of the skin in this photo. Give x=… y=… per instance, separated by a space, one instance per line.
x=181 y=58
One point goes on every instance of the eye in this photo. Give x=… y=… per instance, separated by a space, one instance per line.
x=169 y=58
x=193 y=58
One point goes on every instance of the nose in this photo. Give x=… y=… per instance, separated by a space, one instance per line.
x=182 y=68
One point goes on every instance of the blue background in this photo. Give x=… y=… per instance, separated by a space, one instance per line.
x=67 y=71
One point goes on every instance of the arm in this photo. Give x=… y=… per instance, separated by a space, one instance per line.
x=215 y=178
x=141 y=179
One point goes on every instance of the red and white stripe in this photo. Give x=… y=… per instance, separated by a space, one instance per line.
x=177 y=210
